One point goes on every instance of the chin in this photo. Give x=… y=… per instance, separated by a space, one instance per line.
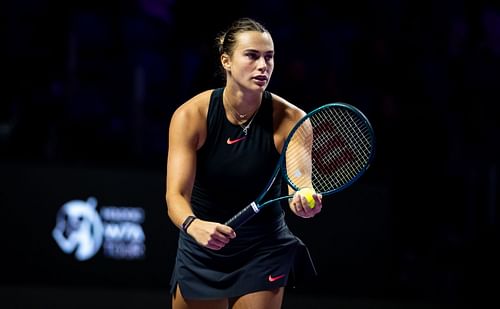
x=260 y=87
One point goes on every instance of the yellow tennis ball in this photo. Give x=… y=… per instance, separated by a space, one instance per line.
x=308 y=194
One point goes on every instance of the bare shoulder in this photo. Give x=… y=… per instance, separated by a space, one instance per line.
x=195 y=107
x=285 y=116
x=189 y=119
x=285 y=110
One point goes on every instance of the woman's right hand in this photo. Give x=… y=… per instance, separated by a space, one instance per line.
x=211 y=235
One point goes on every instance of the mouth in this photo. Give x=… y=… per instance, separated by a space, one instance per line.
x=261 y=79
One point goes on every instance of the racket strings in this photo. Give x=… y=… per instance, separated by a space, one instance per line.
x=329 y=150
x=346 y=140
x=356 y=134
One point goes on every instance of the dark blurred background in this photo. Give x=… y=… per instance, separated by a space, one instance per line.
x=89 y=88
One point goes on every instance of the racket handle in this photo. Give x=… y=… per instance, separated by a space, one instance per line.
x=243 y=216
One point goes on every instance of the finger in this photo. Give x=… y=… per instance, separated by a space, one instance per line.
x=220 y=238
x=297 y=207
x=318 y=204
x=318 y=198
x=227 y=231
x=300 y=211
x=308 y=211
x=215 y=244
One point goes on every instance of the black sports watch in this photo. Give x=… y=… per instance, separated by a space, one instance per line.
x=187 y=223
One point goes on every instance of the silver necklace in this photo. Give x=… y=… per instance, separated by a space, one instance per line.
x=235 y=113
x=239 y=116
x=247 y=126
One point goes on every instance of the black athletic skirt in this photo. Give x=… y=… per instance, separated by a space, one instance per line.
x=256 y=260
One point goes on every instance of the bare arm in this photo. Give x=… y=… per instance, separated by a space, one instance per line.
x=285 y=118
x=186 y=135
x=181 y=163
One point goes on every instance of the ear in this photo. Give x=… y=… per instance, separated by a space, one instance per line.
x=225 y=61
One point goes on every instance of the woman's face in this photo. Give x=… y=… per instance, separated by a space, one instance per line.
x=252 y=61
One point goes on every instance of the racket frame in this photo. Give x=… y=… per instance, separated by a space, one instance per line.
x=254 y=207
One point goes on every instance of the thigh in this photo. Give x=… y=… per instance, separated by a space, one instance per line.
x=260 y=300
x=179 y=302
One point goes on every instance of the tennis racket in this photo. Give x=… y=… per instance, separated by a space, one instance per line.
x=328 y=149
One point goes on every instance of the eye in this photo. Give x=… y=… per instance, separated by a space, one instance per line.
x=252 y=55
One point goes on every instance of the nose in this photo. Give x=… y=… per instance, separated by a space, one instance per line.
x=261 y=64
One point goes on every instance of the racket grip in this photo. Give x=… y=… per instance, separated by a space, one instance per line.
x=243 y=216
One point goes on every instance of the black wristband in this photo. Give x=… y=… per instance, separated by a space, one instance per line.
x=187 y=223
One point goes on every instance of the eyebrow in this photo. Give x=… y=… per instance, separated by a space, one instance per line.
x=258 y=51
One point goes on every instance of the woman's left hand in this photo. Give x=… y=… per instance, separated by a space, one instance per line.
x=300 y=206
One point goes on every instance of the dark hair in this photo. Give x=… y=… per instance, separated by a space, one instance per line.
x=226 y=40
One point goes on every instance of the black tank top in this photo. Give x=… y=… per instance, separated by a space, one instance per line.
x=233 y=169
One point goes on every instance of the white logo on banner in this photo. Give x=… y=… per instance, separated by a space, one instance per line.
x=79 y=228
x=82 y=230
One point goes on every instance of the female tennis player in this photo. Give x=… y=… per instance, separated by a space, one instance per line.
x=224 y=145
